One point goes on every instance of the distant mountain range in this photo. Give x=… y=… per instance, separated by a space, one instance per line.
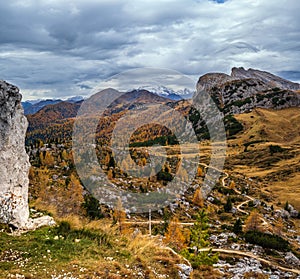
x=55 y=120
x=33 y=106
x=240 y=92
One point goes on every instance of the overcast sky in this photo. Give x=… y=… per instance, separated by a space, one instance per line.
x=54 y=48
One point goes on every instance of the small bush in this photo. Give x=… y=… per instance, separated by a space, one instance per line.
x=92 y=207
x=275 y=149
x=165 y=176
x=267 y=240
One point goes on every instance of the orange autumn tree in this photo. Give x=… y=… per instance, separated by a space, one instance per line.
x=232 y=184
x=198 y=198
x=174 y=236
x=279 y=227
x=119 y=217
x=46 y=159
x=199 y=171
x=70 y=198
x=253 y=222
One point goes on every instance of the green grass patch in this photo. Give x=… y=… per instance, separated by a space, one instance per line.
x=47 y=251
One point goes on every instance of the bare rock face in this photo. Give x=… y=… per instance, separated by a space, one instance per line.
x=268 y=78
x=210 y=80
x=14 y=162
x=245 y=90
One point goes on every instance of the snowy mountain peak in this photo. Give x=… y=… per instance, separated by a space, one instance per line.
x=168 y=92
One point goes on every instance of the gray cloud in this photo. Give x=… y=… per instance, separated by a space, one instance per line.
x=52 y=48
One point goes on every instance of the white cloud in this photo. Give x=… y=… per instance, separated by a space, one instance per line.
x=56 y=46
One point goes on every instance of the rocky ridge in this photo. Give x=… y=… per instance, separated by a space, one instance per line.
x=244 y=90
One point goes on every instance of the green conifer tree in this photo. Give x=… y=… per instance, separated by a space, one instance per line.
x=199 y=240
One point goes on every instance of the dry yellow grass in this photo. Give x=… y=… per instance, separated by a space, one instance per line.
x=271 y=127
x=288 y=190
x=276 y=127
x=281 y=126
x=141 y=245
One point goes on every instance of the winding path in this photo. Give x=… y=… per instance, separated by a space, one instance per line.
x=227 y=251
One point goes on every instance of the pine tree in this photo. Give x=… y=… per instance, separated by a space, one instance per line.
x=287 y=206
x=111 y=163
x=48 y=159
x=107 y=159
x=75 y=198
x=199 y=172
x=198 y=240
x=199 y=233
x=92 y=207
x=110 y=174
x=237 y=227
x=278 y=229
x=64 y=155
x=228 y=205
x=167 y=168
x=183 y=175
x=143 y=161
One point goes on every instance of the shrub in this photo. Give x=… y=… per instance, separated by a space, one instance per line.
x=237 y=227
x=267 y=240
x=64 y=228
x=165 y=176
x=92 y=207
x=275 y=149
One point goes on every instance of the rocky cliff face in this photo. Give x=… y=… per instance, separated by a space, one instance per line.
x=244 y=90
x=267 y=78
x=14 y=162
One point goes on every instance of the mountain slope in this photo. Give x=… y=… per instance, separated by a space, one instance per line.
x=55 y=121
x=238 y=93
x=268 y=150
x=52 y=114
x=31 y=108
x=279 y=126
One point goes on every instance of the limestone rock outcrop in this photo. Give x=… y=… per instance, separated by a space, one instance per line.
x=267 y=78
x=14 y=162
x=245 y=90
